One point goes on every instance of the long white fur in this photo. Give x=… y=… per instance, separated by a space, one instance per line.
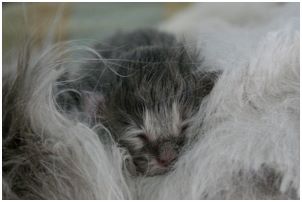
x=249 y=123
x=79 y=167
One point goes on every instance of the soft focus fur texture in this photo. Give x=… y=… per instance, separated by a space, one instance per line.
x=248 y=128
x=145 y=90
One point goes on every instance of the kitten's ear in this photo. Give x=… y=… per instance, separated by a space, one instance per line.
x=92 y=103
x=207 y=81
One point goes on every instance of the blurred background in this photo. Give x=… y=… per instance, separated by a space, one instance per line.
x=79 y=20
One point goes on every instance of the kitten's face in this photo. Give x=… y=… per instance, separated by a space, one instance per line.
x=155 y=144
x=151 y=120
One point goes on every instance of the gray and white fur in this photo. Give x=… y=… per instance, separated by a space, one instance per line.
x=146 y=96
x=248 y=126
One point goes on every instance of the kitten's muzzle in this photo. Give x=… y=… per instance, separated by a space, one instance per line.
x=167 y=154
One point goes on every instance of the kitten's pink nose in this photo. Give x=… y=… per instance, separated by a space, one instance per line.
x=167 y=156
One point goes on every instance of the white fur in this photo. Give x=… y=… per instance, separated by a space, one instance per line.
x=157 y=125
x=248 y=124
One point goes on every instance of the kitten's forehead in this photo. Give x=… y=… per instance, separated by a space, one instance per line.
x=163 y=123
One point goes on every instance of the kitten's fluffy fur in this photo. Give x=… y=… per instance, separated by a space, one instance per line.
x=248 y=146
x=145 y=90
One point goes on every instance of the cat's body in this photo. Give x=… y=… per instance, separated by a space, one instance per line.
x=144 y=89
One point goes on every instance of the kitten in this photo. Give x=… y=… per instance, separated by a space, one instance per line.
x=145 y=90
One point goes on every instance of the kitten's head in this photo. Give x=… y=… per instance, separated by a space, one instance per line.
x=149 y=107
x=148 y=96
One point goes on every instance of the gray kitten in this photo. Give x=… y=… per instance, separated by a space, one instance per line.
x=145 y=90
